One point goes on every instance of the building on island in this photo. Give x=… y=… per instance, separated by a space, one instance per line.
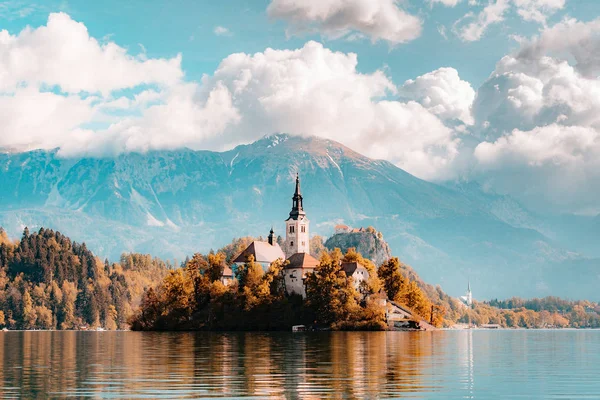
x=356 y=271
x=296 y=249
x=264 y=253
x=294 y=273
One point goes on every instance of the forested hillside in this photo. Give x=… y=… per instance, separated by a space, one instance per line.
x=49 y=282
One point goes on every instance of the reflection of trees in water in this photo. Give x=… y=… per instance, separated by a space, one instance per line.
x=281 y=365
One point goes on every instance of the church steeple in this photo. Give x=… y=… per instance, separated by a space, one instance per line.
x=297 y=208
x=271 y=237
x=296 y=233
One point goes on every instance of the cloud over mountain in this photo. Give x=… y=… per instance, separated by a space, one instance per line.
x=530 y=130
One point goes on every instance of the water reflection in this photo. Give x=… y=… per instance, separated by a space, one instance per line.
x=295 y=366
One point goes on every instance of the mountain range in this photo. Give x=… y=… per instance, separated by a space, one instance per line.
x=174 y=203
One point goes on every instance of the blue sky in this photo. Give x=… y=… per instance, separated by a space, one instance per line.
x=503 y=92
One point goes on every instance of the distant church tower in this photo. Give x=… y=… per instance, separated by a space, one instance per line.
x=296 y=232
x=468 y=298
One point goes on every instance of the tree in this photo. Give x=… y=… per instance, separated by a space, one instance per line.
x=196 y=269
x=111 y=318
x=29 y=314
x=329 y=292
x=178 y=297
x=69 y=296
x=414 y=298
x=392 y=279
x=216 y=264
x=44 y=317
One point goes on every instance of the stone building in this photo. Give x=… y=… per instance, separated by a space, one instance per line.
x=294 y=273
x=357 y=272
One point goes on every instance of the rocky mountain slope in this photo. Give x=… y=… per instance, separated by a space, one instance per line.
x=370 y=244
x=174 y=203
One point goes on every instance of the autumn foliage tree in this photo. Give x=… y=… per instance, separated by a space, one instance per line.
x=49 y=282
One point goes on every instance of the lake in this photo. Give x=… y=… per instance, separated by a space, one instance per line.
x=477 y=364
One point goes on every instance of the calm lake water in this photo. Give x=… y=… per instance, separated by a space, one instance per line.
x=445 y=364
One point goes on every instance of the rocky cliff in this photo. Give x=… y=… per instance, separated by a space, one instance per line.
x=368 y=243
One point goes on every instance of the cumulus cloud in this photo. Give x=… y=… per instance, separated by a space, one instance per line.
x=443 y=93
x=539 y=117
x=308 y=91
x=378 y=19
x=63 y=54
x=315 y=91
x=568 y=39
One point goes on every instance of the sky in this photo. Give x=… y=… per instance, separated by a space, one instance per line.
x=502 y=92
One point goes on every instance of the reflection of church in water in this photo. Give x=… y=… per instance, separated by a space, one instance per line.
x=296 y=248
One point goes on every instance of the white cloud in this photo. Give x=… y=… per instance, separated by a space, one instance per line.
x=222 y=31
x=472 y=27
x=551 y=165
x=31 y=119
x=539 y=117
x=308 y=91
x=493 y=13
x=63 y=54
x=538 y=10
x=568 y=39
x=378 y=19
x=315 y=91
x=443 y=93
x=527 y=92
x=447 y=3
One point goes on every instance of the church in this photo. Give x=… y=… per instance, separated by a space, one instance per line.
x=296 y=248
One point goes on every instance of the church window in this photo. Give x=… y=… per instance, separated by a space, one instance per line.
x=303 y=243
x=291 y=243
x=291 y=228
x=303 y=228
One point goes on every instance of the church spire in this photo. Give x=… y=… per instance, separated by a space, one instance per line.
x=297 y=192
x=297 y=207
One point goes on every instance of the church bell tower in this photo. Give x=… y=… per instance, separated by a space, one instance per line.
x=296 y=232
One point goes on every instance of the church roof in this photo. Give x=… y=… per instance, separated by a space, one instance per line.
x=263 y=252
x=351 y=267
x=302 y=260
